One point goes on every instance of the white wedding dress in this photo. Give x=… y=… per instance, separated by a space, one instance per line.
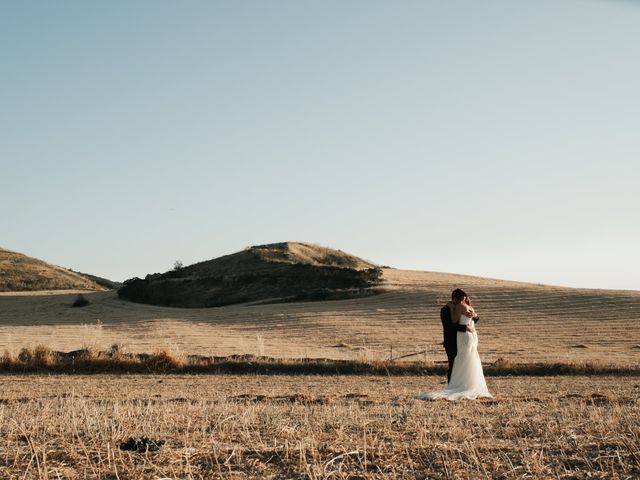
x=467 y=380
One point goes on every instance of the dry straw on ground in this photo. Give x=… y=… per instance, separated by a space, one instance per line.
x=309 y=427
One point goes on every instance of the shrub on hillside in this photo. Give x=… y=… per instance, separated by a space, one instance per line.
x=80 y=301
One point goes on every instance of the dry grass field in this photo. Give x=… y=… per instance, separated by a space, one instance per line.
x=519 y=322
x=313 y=427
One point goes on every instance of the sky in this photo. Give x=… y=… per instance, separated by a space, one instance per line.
x=492 y=138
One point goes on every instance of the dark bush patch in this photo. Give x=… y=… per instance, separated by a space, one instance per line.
x=80 y=301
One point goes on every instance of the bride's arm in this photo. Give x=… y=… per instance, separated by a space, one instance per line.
x=456 y=325
x=470 y=312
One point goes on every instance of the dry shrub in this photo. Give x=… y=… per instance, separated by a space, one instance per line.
x=116 y=353
x=25 y=356
x=84 y=359
x=89 y=360
x=502 y=363
x=6 y=360
x=80 y=301
x=36 y=358
x=42 y=357
x=165 y=360
x=86 y=354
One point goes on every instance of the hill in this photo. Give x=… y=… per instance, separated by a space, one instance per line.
x=274 y=273
x=19 y=272
x=104 y=282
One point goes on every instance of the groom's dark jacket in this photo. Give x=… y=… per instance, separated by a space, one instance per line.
x=450 y=330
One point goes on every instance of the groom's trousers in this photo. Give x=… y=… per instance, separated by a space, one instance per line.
x=452 y=351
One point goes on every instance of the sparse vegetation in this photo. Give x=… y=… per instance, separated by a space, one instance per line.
x=88 y=360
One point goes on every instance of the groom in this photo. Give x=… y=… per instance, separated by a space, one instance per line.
x=451 y=329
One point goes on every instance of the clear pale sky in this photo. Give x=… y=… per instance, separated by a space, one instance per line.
x=493 y=138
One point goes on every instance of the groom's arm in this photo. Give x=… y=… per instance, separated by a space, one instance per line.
x=445 y=316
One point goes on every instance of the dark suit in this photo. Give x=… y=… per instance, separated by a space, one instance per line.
x=450 y=331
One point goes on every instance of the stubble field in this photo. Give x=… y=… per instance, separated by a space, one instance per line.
x=315 y=427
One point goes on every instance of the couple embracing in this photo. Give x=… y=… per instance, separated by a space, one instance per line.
x=465 y=379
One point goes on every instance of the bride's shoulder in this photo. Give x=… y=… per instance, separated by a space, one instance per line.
x=467 y=308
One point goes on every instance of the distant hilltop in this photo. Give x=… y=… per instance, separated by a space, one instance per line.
x=19 y=273
x=273 y=273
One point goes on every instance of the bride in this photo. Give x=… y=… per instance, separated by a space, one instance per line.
x=467 y=380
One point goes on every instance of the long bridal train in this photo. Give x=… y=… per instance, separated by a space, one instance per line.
x=467 y=379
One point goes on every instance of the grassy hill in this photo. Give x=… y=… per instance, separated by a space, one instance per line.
x=18 y=272
x=274 y=273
